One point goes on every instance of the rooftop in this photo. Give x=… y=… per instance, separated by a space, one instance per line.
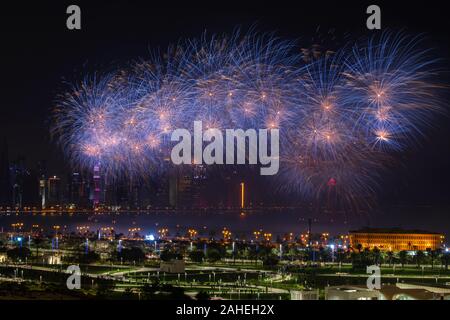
x=392 y=230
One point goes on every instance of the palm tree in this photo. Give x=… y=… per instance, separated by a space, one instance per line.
x=433 y=255
x=212 y=234
x=419 y=257
x=390 y=255
x=403 y=257
x=37 y=243
x=376 y=256
x=340 y=255
x=355 y=259
x=292 y=253
x=303 y=255
x=359 y=247
x=444 y=259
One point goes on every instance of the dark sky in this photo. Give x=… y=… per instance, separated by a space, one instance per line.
x=38 y=53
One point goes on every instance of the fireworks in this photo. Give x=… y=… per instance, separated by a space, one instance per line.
x=342 y=116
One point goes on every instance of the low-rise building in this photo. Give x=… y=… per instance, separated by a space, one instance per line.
x=399 y=291
x=415 y=291
x=172 y=266
x=351 y=293
x=395 y=239
x=305 y=294
x=54 y=259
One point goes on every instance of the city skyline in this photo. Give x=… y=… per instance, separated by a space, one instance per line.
x=411 y=184
x=245 y=153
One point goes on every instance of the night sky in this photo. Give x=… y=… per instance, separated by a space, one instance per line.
x=38 y=54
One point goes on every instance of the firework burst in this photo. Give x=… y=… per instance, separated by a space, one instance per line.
x=341 y=115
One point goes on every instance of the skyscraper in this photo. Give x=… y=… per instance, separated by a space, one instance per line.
x=42 y=173
x=97 y=194
x=5 y=177
x=42 y=191
x=54 y=191
x=77 y=190
x=18 y=176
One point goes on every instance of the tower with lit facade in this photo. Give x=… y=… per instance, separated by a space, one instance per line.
x=97 y=190
x=54 y=191
x=5 y=178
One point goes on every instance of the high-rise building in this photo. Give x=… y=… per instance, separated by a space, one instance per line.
x=162 y=191
x=116 y=194
x=173 y=187
x=232 y=189
x=25 y=185
x=42 y=191
x=185 y=184
x=136 y=194
x=31 y=189
x=5 y=177
x=77 y=190
x=75 y=183
x=97 y=194
x=199 y=178
x=18 y=173
x=54 y=191
x=42 y=173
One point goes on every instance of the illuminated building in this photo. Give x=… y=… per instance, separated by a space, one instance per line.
x=133 y=233
x=198 y=185
x=42 y=191
x=184 y=190
x=106 y=233
x=186 y=187
x=77 y=190
x=54 y=191
x=42 y=173
x=395 y=239
x=97 y=187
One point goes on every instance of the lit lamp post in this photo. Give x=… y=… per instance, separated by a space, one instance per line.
x=233 y=246
x=226 y=234
x=332 y=252
x=119 y=246
x=192 y=234
x=163 y=233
